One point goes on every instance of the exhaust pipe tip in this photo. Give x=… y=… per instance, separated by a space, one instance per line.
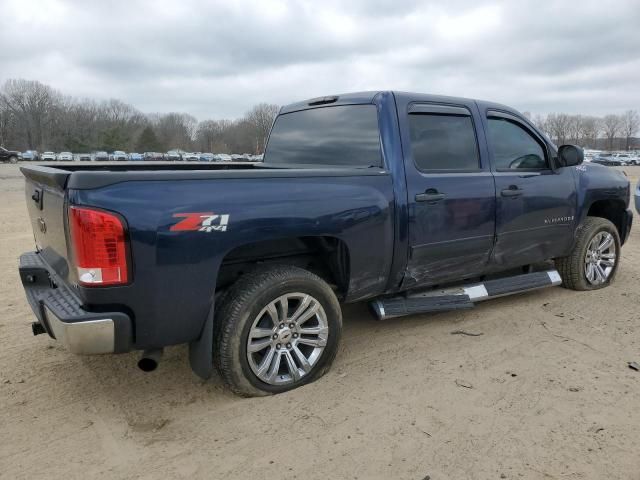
x=150 y=360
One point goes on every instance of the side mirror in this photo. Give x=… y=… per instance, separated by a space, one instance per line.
x=570 y=155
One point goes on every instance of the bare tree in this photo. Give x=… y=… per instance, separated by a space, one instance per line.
x=558 y=125
x=32 y=103
x=7 y=127
x=541 y=122
x=630 y=126
x=589 y=131
x=611 y=125
x=574 y=128
x=213 y=136
x=176 y=130
x=260 y=119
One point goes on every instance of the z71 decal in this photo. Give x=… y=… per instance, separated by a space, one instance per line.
x=200 y=222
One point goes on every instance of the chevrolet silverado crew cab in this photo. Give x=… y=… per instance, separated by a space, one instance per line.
x=413 y=203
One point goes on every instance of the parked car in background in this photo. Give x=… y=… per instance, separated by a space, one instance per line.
x=84 y=157
x=100 y=157
x=118 y=156
x=206 y=157
x=135 y=157
x=607 y=159
x=10 y=156
x=609 y=162
x=235 y=157
x=65 y=157
x=223 y=157
x=30 y=155
x=173 y=156
x=190 y=157
x=628 y=158
x=153 y=156
x=48 y=157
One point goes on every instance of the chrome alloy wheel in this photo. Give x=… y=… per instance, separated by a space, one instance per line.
x=600 y=259
x=287 y=338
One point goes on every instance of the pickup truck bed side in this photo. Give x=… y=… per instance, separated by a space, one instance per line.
x=259 y=210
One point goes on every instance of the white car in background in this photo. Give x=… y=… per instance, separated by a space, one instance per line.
x=48 y=157
x=222 y=157
x=626 y=158
x=190 y=157
x=65 y=157
x=119 y=156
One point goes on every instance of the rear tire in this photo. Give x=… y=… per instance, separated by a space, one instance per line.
x=278 y=328
x=13 y=159
x=593 y=262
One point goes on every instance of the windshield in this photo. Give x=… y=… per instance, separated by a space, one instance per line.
x=338 y=136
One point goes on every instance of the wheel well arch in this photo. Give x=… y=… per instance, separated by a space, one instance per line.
x=326 y=256
x=611 y=209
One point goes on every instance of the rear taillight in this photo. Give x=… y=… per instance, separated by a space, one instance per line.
x=99 y=247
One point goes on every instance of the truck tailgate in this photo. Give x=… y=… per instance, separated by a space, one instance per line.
x=46 y=204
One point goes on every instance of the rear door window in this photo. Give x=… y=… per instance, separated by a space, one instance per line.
x=443 y=142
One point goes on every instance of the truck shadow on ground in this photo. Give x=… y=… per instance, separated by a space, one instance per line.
x=174 y=384
x=173 y=381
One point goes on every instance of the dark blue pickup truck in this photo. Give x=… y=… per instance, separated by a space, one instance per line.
x=415 y=203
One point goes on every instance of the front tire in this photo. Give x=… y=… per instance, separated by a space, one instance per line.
x=13 y=159
x=278 y=328
x=593 y=262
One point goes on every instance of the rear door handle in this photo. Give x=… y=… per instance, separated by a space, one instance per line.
x=512 y=191
x=430 y=195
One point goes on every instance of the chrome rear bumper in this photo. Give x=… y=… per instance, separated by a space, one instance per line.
x=62 y=316
x=87 y=337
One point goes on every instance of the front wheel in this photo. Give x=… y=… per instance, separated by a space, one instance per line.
x=593 y=262
x=278 y=328
x=13 y=159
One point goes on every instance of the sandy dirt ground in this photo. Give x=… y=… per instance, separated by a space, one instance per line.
x=544 y=393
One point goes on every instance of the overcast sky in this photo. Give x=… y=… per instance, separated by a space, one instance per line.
x=217 y=59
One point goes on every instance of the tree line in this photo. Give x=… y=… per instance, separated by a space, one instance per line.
x=35 y=116
x=610 y=132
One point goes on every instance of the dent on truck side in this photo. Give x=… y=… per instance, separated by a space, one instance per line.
x=175 y=271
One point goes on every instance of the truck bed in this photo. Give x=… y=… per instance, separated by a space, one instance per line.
x=88 y=176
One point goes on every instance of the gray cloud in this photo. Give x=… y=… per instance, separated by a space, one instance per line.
x=216 y=59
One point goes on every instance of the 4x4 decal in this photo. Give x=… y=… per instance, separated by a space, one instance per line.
x=200 y=222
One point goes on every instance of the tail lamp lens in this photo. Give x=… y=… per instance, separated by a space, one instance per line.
x=99 y=249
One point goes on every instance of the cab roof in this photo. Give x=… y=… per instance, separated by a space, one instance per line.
x=368 y=97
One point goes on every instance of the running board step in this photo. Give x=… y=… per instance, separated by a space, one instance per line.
x=464 y=296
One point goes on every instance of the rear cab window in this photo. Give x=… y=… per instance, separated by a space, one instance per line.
x=338 y=136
